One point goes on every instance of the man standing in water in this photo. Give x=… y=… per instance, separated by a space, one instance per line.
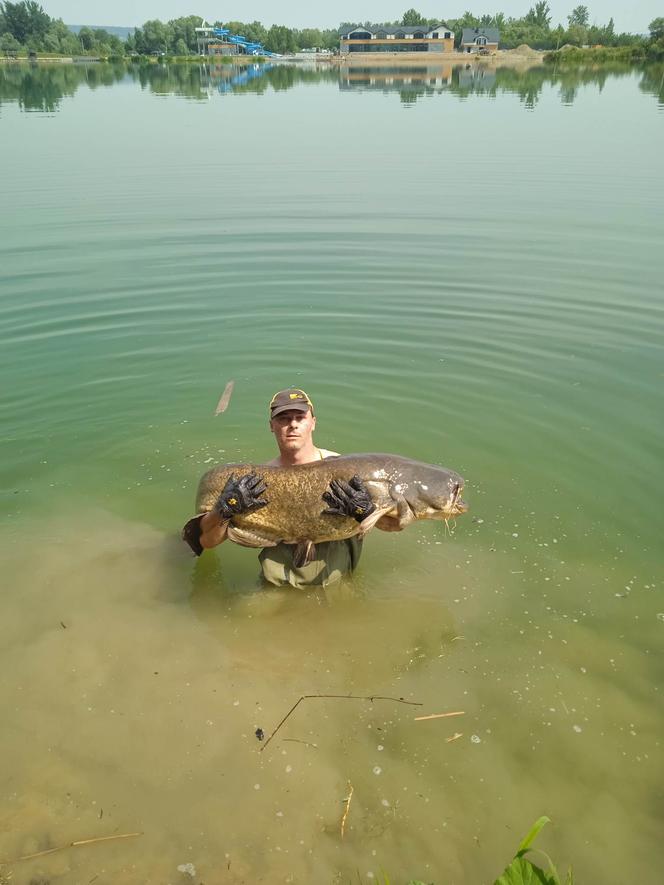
x=292 y=421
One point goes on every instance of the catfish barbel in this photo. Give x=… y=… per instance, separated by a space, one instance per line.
x=400 y=488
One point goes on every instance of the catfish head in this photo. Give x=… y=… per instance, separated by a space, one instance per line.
x=431 y=492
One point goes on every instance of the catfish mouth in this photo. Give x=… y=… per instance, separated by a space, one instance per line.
x=456 y=505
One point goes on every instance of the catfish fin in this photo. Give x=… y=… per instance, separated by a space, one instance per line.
x=248 y=538
x=304 y=553
x=373 y=518
x=404 y=514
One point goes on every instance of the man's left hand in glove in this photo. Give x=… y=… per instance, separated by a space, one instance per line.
x=348 y=499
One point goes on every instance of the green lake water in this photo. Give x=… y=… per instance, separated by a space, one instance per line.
x=458 y=266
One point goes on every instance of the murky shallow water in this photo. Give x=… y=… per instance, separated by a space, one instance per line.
x=491 y=303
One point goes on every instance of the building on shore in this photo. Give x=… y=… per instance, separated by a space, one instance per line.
x=383 y=38
x=480 y=39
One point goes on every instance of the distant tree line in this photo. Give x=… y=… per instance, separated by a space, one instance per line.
x=25 y=26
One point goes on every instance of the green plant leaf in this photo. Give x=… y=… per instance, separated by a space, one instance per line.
x=523 y=872
x=532 y=835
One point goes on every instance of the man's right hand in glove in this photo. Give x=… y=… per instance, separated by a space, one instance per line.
x=241 y=495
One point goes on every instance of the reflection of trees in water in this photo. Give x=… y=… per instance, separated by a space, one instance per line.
x=41 y=88
x=529 y=84
x=652 y=82
x=277 y=77
x=183 y=80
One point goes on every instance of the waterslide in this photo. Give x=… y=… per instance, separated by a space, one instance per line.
x=242 y=43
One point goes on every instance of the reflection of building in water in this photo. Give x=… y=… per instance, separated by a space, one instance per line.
x=476 y=78
x=384 y=38
x=432 y=77
x=229 y=78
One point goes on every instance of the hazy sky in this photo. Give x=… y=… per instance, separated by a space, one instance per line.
x=631 y=16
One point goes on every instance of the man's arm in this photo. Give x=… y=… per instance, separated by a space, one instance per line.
x=213 y=530
x=204 y=531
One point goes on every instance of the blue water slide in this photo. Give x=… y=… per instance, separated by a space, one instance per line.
x=238 y=40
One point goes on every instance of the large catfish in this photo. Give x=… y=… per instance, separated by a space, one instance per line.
x=403 y=489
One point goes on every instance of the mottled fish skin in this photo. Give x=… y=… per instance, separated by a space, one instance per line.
x=294 y=512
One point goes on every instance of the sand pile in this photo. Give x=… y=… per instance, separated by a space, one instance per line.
x=524 y=50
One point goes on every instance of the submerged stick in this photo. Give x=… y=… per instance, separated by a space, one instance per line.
x=74 y=844
x=298 y=741
x=440 y=715
x=347 y=803
x=222 y=405
x=346 y=697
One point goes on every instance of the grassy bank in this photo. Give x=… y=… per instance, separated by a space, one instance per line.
x=147 y=60
x=630 y=54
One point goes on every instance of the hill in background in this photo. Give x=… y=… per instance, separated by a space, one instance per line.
x=122 y=33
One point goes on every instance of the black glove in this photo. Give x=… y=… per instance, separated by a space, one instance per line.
x=348 y=499
x=241 y=495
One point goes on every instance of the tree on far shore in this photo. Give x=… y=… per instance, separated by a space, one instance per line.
x=539 y=15
x=412 y=18
x=9 y=43
x=25 y=21
x=579 y=16
x=656 y=28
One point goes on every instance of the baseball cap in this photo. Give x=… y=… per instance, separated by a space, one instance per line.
x=291 y=398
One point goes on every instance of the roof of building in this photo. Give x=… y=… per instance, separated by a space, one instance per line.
x=398 y=29
x=469 y=35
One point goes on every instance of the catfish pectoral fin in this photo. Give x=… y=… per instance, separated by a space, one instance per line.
x=373 y=518
x=248 y=538
x=304 y=553
x=404 y=514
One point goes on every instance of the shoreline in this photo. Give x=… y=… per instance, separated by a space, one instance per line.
x=502 y=58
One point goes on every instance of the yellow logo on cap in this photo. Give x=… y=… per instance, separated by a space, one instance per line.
x=295 y=395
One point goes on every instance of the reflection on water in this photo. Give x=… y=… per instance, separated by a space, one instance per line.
x=42 y=88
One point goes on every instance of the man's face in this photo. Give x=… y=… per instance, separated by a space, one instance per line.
x=293 y=429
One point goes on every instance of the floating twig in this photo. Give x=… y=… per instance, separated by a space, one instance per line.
x=347 y=809
x=222 y=405
x=298 y=741
x=345 y=697
x=439 y=715
x=455 y=737
x=75 y=844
